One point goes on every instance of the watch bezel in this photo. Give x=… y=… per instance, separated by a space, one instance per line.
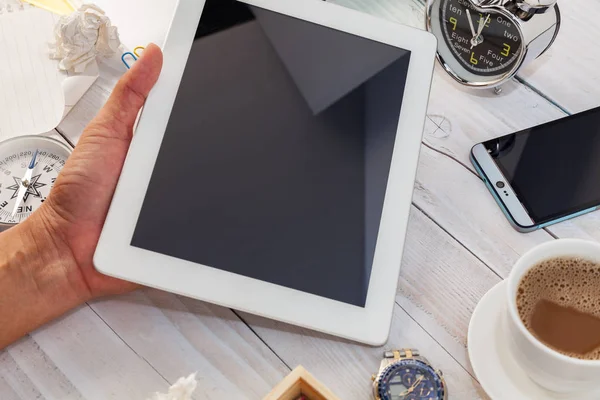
x=393 y=366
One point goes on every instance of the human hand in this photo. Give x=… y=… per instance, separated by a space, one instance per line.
x=75 y=211
x=46 y=265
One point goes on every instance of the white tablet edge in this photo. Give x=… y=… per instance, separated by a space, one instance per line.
x=371 y=324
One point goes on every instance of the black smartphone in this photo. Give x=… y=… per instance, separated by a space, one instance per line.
x=545 y=174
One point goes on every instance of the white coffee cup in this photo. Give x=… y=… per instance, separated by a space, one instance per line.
x=549 y=368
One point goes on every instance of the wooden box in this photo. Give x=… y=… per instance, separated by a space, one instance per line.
x=300 y=383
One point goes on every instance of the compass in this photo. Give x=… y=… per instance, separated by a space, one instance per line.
x=29 y=165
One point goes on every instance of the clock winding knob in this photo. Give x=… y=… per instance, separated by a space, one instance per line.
x=535 y=6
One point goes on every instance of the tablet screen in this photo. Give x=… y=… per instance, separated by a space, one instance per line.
x=275 y=160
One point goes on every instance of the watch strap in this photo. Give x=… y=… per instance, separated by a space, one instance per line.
x=390 y=357
x=401 y=354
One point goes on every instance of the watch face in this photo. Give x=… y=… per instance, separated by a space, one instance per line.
x=485 y=43
x=410 y=380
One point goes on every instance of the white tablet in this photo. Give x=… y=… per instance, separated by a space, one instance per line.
x=273 y=165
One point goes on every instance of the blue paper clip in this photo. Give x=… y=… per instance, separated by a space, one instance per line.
x=135 y=55
x=128 y=54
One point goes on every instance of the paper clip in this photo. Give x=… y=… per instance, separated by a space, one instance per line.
x=128 y=54
x=135 y=55
x=135 y=51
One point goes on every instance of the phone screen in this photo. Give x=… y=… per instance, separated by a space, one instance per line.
x=553 y=168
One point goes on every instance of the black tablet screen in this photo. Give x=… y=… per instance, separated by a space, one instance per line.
x=276 y=156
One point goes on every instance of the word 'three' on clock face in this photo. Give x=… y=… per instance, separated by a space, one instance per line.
x=485 y=44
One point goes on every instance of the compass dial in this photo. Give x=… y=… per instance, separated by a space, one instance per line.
x=29 y=165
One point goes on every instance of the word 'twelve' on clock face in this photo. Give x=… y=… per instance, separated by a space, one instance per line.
x=486 y=44
x=19 y=198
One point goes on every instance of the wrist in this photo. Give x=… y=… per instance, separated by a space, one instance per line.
x=38 y=280
x=49 y=260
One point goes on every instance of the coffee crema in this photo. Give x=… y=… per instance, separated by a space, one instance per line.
x=558 y=300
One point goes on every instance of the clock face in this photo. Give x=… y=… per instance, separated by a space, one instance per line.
x=485 y=44
x=411 y=380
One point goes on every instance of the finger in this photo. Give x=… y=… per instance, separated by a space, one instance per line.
x=121 y=110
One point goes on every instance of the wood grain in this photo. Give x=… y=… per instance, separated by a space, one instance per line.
x=568 y=73
x=345 y=367
x=179 y=336
x=473 y=116
x=440 y=284
x=460 y=203
x=81 y=347
x=458 y=246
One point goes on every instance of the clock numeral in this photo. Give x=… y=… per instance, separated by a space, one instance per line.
x=473 y=60
x=482 y=19
x=506 y=50
x=453 y=21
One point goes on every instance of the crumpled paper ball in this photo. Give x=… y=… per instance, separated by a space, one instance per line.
x=82 y=36
x=181 y=390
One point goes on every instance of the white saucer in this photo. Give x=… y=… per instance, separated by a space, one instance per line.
x=497 y=371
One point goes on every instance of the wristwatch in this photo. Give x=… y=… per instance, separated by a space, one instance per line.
x=406 y=375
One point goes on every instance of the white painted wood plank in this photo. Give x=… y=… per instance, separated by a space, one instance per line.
x=583 y=227
x=461 y=117
x=467 y=117
x=14 y=382
x=179 y=336
x=568 y=73
x=79 y=356
x=458 y=119
x=440 y=284
x=82 y=348
x=441 y=175
x=7 y=391
x=407 y=12
x=345 y=367
x=460 y=203
x=42 y=374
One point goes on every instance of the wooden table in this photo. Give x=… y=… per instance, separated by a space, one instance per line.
x=458 y=246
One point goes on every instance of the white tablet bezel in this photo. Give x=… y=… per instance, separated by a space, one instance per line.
x=116 y=257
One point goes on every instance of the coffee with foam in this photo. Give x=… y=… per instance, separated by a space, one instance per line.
x=558 y=301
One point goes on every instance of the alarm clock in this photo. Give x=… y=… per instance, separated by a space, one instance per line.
x=483 y=43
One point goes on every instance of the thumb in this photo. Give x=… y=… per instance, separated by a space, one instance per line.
x=87 y=182
x=118 y=115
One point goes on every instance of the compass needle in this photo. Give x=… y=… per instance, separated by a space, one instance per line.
x=24 y=184
x=29 y=167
